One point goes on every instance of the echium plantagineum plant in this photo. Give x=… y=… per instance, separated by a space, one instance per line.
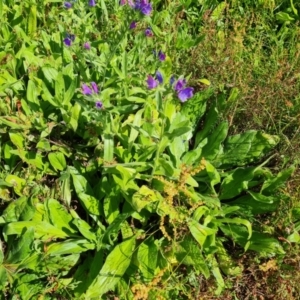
x=136 y=187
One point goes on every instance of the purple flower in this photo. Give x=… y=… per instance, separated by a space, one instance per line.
x=151 y=82
x=99 y=104
x=180 y=84
x=130 y=3
x=143 y=6
x=159 y=77
x=185 y=94
x=123 y=2
x=67 y=5
x=148 y=32
x=67 y=42
x=132 y=25
x=161 y=56
x=92 y=3
x=94 y=87
x=87 y=46
x=146 y=9
x=172 y=80
x=86 y=90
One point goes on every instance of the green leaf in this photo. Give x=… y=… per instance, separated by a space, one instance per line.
x=189 y=253
x=32 y=21
x=147 y=258
x=42 y=230
x=111 y=204
x=259 y=242
x=143 y=197
x=108 y=148
x=238 y=221
x=214 y=142
x=248 y=203
x=85 y=229
x=3 y=277
x=275 y=183
x=68 y=95
x=17 y=183
x=57 y=160
x=17 y=139
x=113 y=269
x=60 y=88
x=226 y=262
x=59 y=217
x=244 y=148
x=210 y=119
x=21 y=248
x=70 y=246
x=74 y=117
x=50 y=73
x=236 y=182
x=200 y=232
x=85 y=193
x=136 y=122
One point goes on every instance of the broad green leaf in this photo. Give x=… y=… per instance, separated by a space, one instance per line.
x=31 y=93
x=115 y=226
x=108 y=148
x=111 y=205
x=219 y=278
x=70 y=246
x=213 y=174
x=244 y=148
x=261 y=198
x=3 y=277
x=248 y=203
x=50 y=73
x=21 y=248
x=85 y=229
x=17 y=139
x=177 y=148
x=272 y=184
x=136 y=122
x=21 y=209
x=238 y=221
x=70 y=92
x=17 y=183
x=236 y=182
x=57 y=160
x=113 y=269
x=30 y=157
x=59 y=217
x=143 y=197
x=259 y=242
x=147 y=258
x=60 y=88
x=85 y=193
x=42 y=230
x=189 y=253
x=210 y=119
x=200 y=232
x=214 y=142
x=74 y=117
